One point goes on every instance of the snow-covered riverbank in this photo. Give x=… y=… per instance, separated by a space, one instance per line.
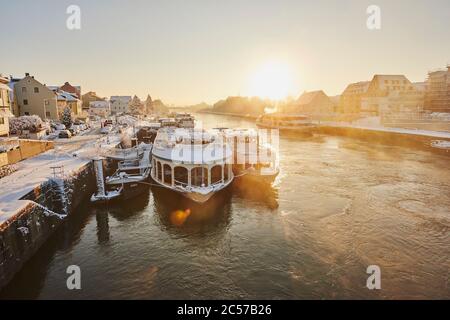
x=69 y=154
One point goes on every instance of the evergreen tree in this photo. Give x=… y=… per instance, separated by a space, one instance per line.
x=136 y=106
x=149 y=105
x=66 y=117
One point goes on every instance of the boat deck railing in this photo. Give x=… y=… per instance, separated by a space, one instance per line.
x=187 y=187
x=128 y=164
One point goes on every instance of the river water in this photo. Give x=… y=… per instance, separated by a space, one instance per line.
x=338 y=206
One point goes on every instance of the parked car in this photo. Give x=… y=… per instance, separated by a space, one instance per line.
x=64 y=134
x=105 y=130
x=60 y=126
x=76 y=128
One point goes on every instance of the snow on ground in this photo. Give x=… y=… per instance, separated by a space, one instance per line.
x=9 y=209
x=34 y=171
x=72 y=154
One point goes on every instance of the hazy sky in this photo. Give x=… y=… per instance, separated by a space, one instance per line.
x=189 y=51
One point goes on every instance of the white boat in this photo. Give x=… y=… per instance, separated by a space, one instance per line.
x=194 y=163
x=127 y=153
x=178 y=120
x=131 y=174
x=185 y=120
x=254 y=154
x=168 y=123
x=288 y=123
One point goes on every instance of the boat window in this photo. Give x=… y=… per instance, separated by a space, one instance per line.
x=216 y=174
x=159 y=171
x=199 y=176
x=167 y=174
x=181 y=176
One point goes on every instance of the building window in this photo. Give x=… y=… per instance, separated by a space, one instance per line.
x=2 y=120
x=36 y=90
x=25 y=102
x=27 y=113
x=47 y=114
x=24 y=89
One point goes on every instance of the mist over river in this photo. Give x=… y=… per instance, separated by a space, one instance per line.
x=338 y=206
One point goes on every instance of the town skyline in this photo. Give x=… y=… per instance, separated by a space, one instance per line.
x=322 y=49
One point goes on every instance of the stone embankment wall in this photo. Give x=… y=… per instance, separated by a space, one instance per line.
x=48 y=205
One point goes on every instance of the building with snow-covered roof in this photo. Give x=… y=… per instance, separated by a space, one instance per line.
x=391 y=93
x=119 y=104
x=438 y=91
x=5 y=101
x=12 y=96
x=99 y=108
x=34 y=98
x=312 y=103
x=66 y=99
x=350 y=99
x=5 y=105
x=89 y=97
x=74 y=90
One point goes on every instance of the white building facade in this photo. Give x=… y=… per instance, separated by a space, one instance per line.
x=120 y=104
x=99 y=108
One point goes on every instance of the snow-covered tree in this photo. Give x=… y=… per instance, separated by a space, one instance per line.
x=149 y=104
x=66 y=117
x=136 y=106
x=32 y=123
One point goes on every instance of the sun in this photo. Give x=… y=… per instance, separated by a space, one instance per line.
x=272 y=80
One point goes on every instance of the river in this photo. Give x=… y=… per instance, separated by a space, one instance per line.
x=338 y=206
